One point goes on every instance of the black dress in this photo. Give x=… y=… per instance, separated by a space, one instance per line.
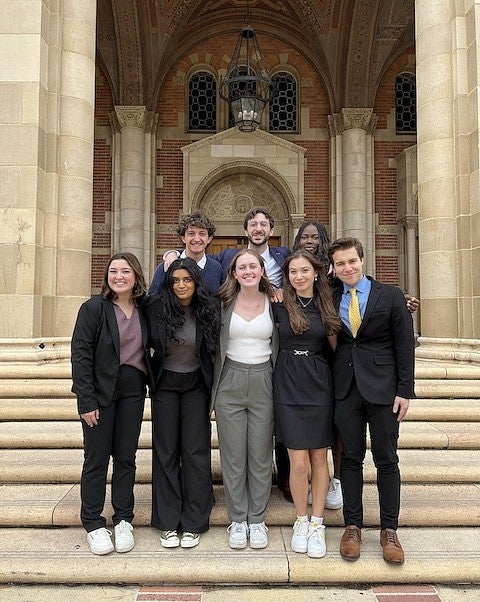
x=302 y=383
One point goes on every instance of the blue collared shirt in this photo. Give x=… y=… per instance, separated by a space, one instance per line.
x=363 y=287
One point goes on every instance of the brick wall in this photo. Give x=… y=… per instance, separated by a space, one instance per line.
x=172 y=137
x=102 y=181
x=387 y=146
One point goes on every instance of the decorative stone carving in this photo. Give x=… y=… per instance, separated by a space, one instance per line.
x=128 y=37
x=360 y=119
x=133 y=116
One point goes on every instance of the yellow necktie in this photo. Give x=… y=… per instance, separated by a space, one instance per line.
x=354 y=312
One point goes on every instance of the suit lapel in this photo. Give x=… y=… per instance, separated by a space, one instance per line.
x=113 y=326
x=373 y=297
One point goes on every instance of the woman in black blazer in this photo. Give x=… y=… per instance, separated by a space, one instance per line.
x=184 y=324
x=109 y=375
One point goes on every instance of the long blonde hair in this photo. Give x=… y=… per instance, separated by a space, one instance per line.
x=229 y=289
x=322 y=297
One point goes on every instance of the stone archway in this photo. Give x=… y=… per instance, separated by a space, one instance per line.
x=228 y=199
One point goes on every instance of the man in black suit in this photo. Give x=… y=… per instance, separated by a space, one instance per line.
x=374 y=378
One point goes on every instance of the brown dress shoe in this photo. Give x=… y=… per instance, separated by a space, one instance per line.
x=284 y=486
x=392 y=550
x=350 y=543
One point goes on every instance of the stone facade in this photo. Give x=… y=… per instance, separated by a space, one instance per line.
x=95 y=155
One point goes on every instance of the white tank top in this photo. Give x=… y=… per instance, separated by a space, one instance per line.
x=250 y=342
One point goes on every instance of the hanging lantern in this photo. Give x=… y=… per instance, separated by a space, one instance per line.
x=247 y=85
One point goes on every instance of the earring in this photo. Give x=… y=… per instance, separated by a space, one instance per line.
x=316 y=278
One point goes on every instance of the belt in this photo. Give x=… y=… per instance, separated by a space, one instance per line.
x=301 y=352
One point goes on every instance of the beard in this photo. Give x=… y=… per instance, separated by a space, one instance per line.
x=260 y=243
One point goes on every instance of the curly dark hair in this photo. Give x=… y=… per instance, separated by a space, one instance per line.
x=322 y=297
x=204 y=307
x=197 y=219
x=324 y=241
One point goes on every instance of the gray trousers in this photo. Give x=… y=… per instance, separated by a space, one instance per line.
x=244 y=414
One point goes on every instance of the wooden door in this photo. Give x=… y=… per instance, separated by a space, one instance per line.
x=235 y=242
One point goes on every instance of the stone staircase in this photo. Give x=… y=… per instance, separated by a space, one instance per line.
x=42 y=540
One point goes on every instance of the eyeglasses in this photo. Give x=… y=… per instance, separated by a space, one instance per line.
x=261 y=224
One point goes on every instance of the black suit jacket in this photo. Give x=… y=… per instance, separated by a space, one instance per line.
x=381 y=358
x=96 y=353
x=158 y=336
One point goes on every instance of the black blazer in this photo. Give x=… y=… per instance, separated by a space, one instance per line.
x=381 y=358
x=158 y=336
x=96 y=353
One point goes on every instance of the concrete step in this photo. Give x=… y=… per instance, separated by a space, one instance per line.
x=425 y=435
x=424 y=505
x=64 y=466
x=55 y=388
x=60 y=409
x=62 y=556
x=424 y=368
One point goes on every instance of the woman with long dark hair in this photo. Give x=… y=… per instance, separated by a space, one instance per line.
x=109 y=376
x=302 y=390
x=184 y=325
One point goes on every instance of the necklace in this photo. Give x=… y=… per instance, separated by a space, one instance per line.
x=304 y=304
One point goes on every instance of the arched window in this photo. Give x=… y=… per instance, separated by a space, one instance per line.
x=202 y=102
x=283 y=108
x=405 y=104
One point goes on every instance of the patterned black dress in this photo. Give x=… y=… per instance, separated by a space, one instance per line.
x=302 y=383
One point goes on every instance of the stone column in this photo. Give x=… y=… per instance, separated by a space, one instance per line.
x=46 y=154
x=407 y=202
x=134 y=183
x=411 y=254
x=437 y=198
x=351 y=146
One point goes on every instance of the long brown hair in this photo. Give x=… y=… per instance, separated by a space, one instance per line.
x=229 y=289
x=322 y=297
x=140 y=287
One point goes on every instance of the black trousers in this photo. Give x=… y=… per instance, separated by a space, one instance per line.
x=115 y=435
x=352 y=414
x=282 y=461
x=182 y=493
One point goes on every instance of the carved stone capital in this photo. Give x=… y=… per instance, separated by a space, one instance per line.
x=410 y=222
x=297 y=219
x=132 y=116
x=335 y=125
x=349 y=119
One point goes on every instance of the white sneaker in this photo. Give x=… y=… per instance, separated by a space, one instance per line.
x=100 y=541
x=189 y=539
x=300 y=536
x=258 y=535
x=238 y=535
x=169 y=539
x=124 y=541
x=334 y=499
x=309 y=496
x=316 y=547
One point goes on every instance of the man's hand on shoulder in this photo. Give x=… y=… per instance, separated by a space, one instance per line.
x=277 y=296
x=412 y=303
x=169 y=257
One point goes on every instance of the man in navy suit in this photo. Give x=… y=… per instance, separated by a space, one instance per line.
x=258 y=225
x=196 y=232
x=373 y=374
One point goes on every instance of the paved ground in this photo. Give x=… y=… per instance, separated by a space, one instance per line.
x=377 y=593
